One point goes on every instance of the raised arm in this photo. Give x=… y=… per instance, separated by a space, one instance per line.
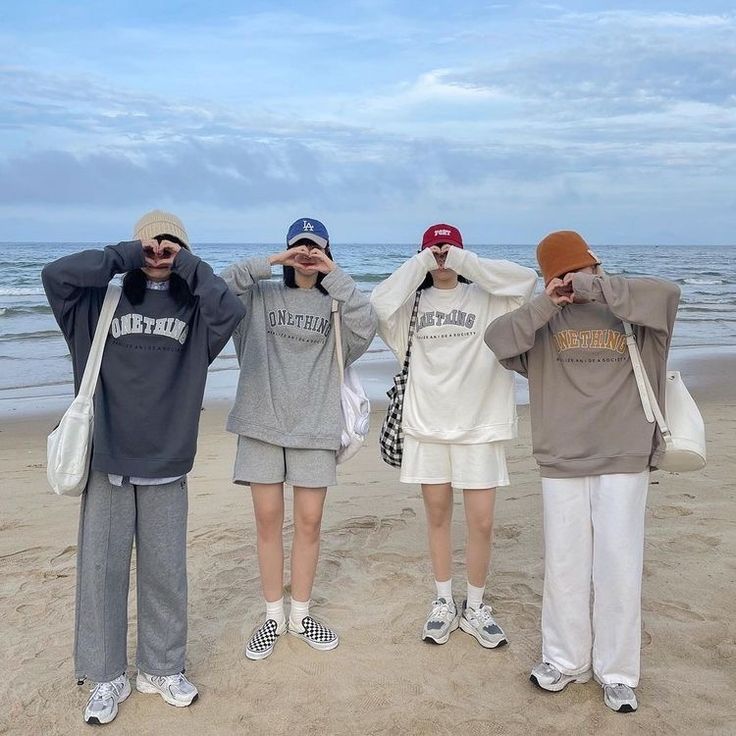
x=499 y=278
x=649 y=302
x=358 y=318
x=393 y=300
x=242 y=277
x=83 y=277
x=219 y=307
x=512 y=335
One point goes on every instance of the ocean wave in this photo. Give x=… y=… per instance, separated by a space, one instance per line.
x=15 y=311
x=21 y=291
x=40 y=335
x=701 y=282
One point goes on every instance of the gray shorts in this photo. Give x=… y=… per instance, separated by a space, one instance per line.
x=261 y=462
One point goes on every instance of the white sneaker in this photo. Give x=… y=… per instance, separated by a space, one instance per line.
x=620 y=698
x=264 y=638
x=548 y=677
x=174 y=689
x=443 y=619
x=102 y=706
x=481 y=624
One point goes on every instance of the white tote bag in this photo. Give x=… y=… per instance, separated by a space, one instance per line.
x=356 y=408
x=69 y=446
x=681 y=425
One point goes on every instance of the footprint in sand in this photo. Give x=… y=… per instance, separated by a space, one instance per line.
x=674 y=611
x=670 y=512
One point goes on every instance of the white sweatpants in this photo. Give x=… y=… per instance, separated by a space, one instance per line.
x=594 y=530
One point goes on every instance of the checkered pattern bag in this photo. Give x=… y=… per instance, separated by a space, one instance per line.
x=391 y=439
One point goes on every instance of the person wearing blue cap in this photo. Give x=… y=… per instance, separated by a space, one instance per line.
x=287 y=412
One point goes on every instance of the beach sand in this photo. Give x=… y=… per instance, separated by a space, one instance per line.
x=374 y=585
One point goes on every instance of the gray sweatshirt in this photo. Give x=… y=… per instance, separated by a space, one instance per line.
x=586 y=414
x=289 y=386
x=149 y=396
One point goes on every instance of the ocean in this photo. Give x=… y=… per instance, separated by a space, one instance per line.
x=34 y=360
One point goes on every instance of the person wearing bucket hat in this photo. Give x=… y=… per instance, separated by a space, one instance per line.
x=286 y=413
x=173 y=318
x=458 y=407
x=595 y=448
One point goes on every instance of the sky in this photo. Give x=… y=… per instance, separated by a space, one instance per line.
x=508 y=120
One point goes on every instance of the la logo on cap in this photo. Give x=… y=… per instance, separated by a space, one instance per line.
x=308 y=227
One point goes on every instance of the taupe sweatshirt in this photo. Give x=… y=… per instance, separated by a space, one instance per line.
x=586 y=413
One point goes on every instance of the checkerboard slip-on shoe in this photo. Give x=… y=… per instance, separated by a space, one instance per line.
x=442 y=621
x=620 y=697
x=102 y=706
x=261 y=644
x=548 y=677
x=316 y=634
x=479 y=623
x=176 y=689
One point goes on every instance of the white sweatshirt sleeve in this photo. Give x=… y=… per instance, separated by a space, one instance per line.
x=393 y=300
x=499 y=278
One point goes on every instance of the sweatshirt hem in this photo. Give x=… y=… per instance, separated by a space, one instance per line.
x=594 y=466
x=277 y=437
x=476 y=436
x=141 y=468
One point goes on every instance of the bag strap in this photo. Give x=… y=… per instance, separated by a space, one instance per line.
x=412 y=328
x=94 y=359
x=338 y=339
x=649 y=402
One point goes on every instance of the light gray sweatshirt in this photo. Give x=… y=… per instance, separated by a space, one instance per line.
x=289 y=386
x=587 y=417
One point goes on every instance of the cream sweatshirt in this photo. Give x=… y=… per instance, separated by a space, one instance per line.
x=457 y=391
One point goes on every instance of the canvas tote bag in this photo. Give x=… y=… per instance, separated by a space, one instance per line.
x=354 y=404
x=681 y=425
x=69 y=446
x=391 y=439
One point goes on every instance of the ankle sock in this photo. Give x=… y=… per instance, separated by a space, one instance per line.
x=275 y=611
x=299 y=609
x=444 y=589
x=475 y=596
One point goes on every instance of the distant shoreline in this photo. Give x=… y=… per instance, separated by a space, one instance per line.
x=701 y=366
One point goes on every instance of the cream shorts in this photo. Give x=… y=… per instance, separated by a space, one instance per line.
x=465 y=466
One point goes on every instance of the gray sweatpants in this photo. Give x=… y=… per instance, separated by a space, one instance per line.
x=110 y=518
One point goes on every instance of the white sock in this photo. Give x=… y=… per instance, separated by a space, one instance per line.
x=444 y=589
x=298 y=611
x=475 y=596
x=275 y=610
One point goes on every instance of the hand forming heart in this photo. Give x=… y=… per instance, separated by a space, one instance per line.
x=160 y=255
x=560 y=291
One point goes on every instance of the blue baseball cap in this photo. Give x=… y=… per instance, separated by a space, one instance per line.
x=308 y=229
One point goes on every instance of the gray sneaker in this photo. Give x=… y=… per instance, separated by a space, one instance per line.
x=102 y=706
x=176 y=689
x=620 y=698
x=481 y=624
x=548 y=677
x=441 y=622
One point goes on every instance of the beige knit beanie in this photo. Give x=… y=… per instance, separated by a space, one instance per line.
x=157 y=222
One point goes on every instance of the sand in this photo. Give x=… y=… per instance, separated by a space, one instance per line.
x=373 y=586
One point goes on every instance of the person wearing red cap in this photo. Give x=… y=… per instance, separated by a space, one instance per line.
x=594 y=447
x=458 y=407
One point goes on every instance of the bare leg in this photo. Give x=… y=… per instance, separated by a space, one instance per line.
x=438 y=506
x=268 y=505
x=308 y=507
x=479 y=508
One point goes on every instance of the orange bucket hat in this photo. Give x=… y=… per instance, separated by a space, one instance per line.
x=564 y=251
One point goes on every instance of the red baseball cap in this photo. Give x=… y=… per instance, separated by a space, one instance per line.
x=442 y=234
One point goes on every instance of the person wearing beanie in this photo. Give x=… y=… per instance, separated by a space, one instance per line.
x=595 y=449
x=458 y=407
x=287 y=414
x=173 y=318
